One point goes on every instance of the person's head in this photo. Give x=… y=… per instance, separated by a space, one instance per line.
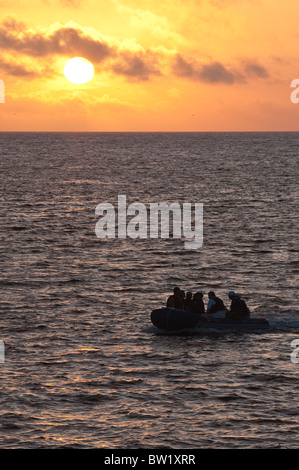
x=176 y=291
x=231 y=294
x=211 y=294
x=198 y=295
x=189 y=295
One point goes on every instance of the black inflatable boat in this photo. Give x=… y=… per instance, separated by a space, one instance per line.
x=171 y=319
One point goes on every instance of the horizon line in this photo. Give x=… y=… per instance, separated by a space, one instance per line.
x=148 y=132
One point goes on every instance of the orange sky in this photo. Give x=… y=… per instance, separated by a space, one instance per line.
x=160 y=65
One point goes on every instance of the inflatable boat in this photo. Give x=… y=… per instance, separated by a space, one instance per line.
x=171 y=319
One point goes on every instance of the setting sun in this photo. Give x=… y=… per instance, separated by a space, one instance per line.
x=78 y=70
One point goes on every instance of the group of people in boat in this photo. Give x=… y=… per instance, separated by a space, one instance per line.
x=194 y=303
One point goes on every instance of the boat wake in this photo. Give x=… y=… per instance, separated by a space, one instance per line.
x=288 y=320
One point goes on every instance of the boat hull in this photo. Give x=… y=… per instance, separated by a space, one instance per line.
x=170 y=319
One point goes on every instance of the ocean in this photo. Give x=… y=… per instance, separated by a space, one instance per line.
x=84 y=367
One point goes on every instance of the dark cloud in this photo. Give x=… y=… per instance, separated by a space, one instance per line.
x=69 y=40
x=254 y=69
x=11 y=23
x=65 y=40
x=136 y=66
x=214 y=72
x=18 y=70
x=183 y=68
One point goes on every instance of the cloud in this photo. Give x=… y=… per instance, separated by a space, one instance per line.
x=65 y=40
x=137 y=66
x=18 y=70
x=214 y=72
x=183 y=68
x=254 y=69
x=154 y=25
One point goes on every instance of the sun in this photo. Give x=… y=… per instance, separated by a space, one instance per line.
x=78 y=70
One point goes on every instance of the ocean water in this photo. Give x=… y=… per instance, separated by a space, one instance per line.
x=84 y=367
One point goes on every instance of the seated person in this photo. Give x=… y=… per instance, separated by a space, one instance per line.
x=197 y=303
x=188 y=301
x=238 y=308
x=215 y=304
x=175 y=300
